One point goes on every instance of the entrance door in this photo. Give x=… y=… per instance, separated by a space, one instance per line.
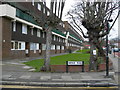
x=27 y=49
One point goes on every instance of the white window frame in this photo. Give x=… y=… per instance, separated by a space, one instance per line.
x=32 y=32
x=24 y=29
x=58 y=47
x=63 y=48
x=43 y=46
x=22 y=45
x=37 y=46
x=43 y=34
x=39 y=7
x=38 y=33
x=54 y=38
x=14 y=26
x=52 y=47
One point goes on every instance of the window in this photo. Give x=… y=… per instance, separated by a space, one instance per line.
x=54 y=37
x=39 y=7
x=32 y=33
x=24 y=29
x=63 y=47
x=43 y=46
x=38 y=33
x=17 y=45
x=37 y=46
x=12 y=45
x=33 y=2
x=43 y=34
x=34 y=46
x=58 y=47
x=14 y=26
x=22 y=45
x=52 y=47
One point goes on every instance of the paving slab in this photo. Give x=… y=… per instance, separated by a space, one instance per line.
x=66 y=77
x=45 y=77
x=25 y=77
x=6 y=76
x=86 y=77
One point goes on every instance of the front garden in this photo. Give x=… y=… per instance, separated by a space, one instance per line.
x=61 y=60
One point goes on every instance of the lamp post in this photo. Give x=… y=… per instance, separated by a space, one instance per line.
x=107 y=48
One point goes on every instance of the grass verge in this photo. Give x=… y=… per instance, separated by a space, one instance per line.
x=60 y=60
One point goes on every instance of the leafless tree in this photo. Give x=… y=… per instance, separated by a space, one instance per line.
x=50 y=22
x=94 y=15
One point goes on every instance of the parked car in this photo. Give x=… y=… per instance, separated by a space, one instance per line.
x=116 y=49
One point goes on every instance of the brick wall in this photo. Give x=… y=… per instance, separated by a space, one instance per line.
x=6 y=29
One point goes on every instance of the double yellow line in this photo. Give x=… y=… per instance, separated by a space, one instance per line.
x=38 y=87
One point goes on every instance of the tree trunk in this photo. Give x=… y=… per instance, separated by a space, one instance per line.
x=46 y=66
x=93 y=59
x=100 y=50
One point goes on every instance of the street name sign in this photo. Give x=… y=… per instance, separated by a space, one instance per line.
x=75 y=62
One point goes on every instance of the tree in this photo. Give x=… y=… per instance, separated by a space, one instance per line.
x=50 y=22
x=94 y=15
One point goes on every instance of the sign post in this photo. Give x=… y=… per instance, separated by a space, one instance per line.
x=74 y=63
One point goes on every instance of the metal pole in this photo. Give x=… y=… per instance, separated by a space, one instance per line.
x=107 y=58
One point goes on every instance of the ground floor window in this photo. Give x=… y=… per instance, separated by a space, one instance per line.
x=43 y=46
x=34 y=46
x=58 y=47
x=52 y=47
x=63 y=48
x=17 y=45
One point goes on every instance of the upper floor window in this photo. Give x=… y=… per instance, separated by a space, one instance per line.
x=38 y=33
x=32 y=33
x=24 y=29
x=39 y=6
x=54 y=37
x=14 y=26
x=33 y=3
x=43 y=35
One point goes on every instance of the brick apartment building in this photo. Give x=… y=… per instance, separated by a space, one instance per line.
x=22 y=34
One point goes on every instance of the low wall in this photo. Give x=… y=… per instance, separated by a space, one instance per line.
x=62 y=68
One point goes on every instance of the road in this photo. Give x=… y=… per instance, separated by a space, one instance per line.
x=56 y=88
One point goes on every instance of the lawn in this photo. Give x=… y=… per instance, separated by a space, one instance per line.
x=60 y=60
x=84 y=50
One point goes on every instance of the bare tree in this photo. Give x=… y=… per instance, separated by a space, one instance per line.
x=94 y=15
x=50 y=22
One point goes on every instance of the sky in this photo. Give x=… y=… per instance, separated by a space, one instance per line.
x=70 y=3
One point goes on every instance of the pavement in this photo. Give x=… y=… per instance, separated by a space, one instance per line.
x=116 y=69
x=14 y=72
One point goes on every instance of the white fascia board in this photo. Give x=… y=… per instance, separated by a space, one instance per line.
x=7 y=10
x=28 y=23
x=74 y=38
x=58 y=35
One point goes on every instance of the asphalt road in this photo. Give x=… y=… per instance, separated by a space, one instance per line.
x=62 y=88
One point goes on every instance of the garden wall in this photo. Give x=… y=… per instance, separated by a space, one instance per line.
x=62 y=68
